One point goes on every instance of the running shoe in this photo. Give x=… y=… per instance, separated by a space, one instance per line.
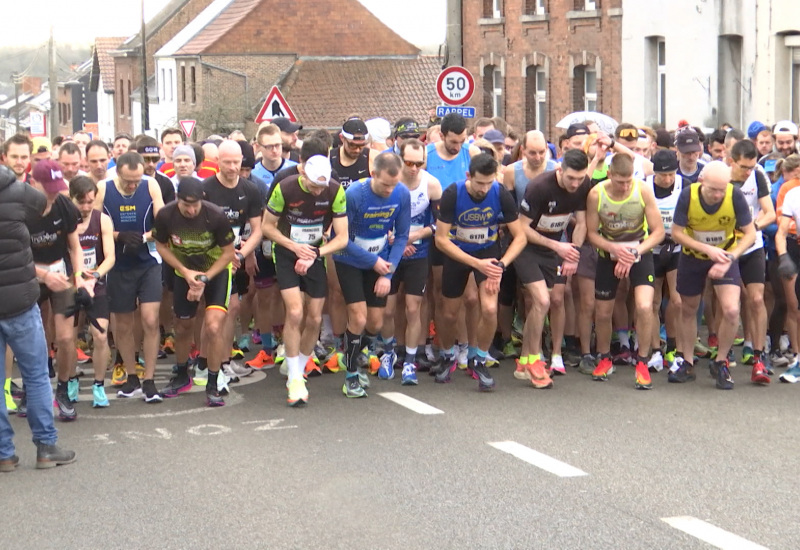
x=680 y=372
x=747 y=355
x=510 y=350
x=656 y=362
x=150 y=393
x=409 y=375
x=83 y=342
x=724 y=380
x=99 y=398
x=713 y=341
x=237 y=353
x=702 y=351
x=790 y=376
x=255 y=336
x=66 y=411
x=767 y=364
x=222 y=382
x=669 y=358
x=200 y=377
x=521 y=371
x=228 y=371
x=261 y=361
x=624 y=357
x=603 y=369
x=51 y=372
x=73 y=389
x=422 y=362
x=194 y=353
x=177 y=385
x=557 y=366
x=11 y=407
x=82 y=358
x=386 y=370
x=16 y=391
x=430 y=355
x=244 y=343
x=130 y=388
x=572 y=358
x=169 y=344
x=759 y=375
x=140 y=370
x=335 y=363
x=374 y=364
x=642 y=379
x=323 y=352
x=298 y=393
x=448 y=367
x=491 y=361
x=352 y=387
x=241 y=371
x=214 y=397
x=587 y=364
x=363 y=379
x=312 y=368
x=539 y=377
x=784 y=343
x=777 y=359
x=485 y=380
x=731 y=359
x=161 y=354
x=738 y=341
x=463 y=356
x=496 y=352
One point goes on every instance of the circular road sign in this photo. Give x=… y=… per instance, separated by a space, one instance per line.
x=455 y=85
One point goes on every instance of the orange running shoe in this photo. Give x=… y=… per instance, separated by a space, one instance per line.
x=335 y=363
x=169 y=344
x=603 y=369
x=374 y=364
x=521 y=372
x=312 y=369
x=539 y=377
x=82 y=358
x=642 y=377
x=261 y=361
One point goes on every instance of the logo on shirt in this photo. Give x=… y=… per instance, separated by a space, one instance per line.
x=551 y=206
x=476 y=215
x=176 y=240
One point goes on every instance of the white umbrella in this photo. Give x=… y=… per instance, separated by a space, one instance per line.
x=605 y=122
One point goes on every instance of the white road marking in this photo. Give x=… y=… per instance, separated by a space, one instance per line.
x=547 y=463
x=711 y=534
x=410 y=403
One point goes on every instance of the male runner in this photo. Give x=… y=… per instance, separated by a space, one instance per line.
x=300 y=211
x=69 y=158
x=194 y=237
x=268 y=141
x=170 y=139
x=184 y=162
x=353 y=160
x=470 y=214
x=97 y=158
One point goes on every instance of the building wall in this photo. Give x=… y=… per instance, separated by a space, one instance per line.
x=126 y=73
x=778 y=27
x=105 y=113
x=558 y=41
x=64 y=110
x=165 y=113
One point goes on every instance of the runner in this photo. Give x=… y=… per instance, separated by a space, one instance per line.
x=412 y=271
x=268 y=141
x=184 y=162
x=297 y=233
x=97 y=159
x=353 y=160
x=545 y=263
x=377 y=208
x=624 y=224
x=132 y=200
x=194 y=237
x=96 y=236
x=466 y=232
x=706 y=218
x=170 y=139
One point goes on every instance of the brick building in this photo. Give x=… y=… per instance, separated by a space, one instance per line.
x=535 y=61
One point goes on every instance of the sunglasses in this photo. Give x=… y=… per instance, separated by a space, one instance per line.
x=151 y=159
x=632 y=133
x=412 y=164
x=408 y=136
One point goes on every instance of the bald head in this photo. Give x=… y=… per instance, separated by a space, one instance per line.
x=714 y=181
x=534 y=149
x=230 y=161
x=211 y=152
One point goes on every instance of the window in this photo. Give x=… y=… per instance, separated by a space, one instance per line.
x=492 y=9
x=183 y=83
x=130 y=100
x=121 y=97
x=169 y=86
x=193 y=85
x=163 y=84
x=729 y=79
x=586 y=5
x=590 y=90
x=662 y=82
x=497 y=93
x=541 y=7
x=541 y=100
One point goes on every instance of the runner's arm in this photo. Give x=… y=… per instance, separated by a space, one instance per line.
x=655 y=224
x=448 y=247
x=155 y=195
x=269 y=228
x=75 y=252
x=402 y=225
x=254 y=240
x=579 y=233
x=780 y=237
x=517 y=244
x=109 y=252
x=767 y=214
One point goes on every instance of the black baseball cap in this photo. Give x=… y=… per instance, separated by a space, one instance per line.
x=190 y=189
x=406 y=126
x=687 y=141
x=577 y=130
x=286 y=125
x=665 y=160
x=355 y=128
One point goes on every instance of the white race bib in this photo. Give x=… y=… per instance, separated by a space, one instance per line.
x=306 y=234
x=666 y=218
x=237 y=240
x=374 y=245
x=246 y=232
x=714 y=238
x=628 y=244
x=89 y=259
x=553 y=224
x=56 y=267
x=415 y=227
x=266 y=248
x=478 y=235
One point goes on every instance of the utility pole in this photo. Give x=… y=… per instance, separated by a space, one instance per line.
x=145 y=98
x=53 y=84
x=17 y=79
x=454 y=32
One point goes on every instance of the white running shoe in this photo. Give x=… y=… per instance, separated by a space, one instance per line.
x=557 y=365
x=656 y=362
x=239 y=369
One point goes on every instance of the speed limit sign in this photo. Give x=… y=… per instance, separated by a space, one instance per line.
x=455 y=85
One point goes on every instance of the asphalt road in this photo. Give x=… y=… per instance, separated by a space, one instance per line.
x=369 y=473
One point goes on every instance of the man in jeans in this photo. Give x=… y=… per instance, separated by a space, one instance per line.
x=21 y=323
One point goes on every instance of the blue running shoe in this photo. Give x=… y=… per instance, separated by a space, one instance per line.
x=409 y=375
x=792 y=374
x=73 y=387
x=244 y=343
x=99 y=397
x=386 y=370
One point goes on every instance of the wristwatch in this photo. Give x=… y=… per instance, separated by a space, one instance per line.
x=501 y=265
x=202 y=278
x=730 y=256
x=317 y=252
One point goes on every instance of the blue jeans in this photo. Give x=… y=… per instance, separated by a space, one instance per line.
x=25 y=335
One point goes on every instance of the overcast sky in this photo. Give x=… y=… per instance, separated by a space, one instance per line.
x=421 y=22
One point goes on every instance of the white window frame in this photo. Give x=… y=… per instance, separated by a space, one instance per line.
x=541 y=100
x=171 y=87
x=661 y=83
x=163 y=85
x=497 y=92
x=497 y=9
x=794 y=81
x=590 y=5
x=589 y=97
x=541 y=7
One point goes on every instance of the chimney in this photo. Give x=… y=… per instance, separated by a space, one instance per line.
x=31 y=85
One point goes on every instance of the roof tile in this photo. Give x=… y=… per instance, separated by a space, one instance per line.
x=102 y=47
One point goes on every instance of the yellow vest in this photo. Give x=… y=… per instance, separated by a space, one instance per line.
x=717 y=229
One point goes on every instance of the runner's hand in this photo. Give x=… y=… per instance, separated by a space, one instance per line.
x=623 y=254
x=191 y=279
x=57 y=282
x=88 y=284
x=382 y=287
x=488 y=267
x=382 y=267
x=569 y=268
x=251 y=265
x=491 y=285
x=194 y=294
x=305 y=251
x=621 y=270
x=719 y=269
x=409 y=251
x=717 y=255
x=301 y=267
x=568 y=252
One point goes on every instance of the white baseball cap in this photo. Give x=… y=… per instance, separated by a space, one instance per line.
x=318 y=170
x=785 y=127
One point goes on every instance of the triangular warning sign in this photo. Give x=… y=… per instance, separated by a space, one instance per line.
x=275 y=106
x=188 y=127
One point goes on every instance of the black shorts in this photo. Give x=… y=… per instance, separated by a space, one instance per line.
x=358 y=285
x=241 y=281
x=508 y=286
x=532 y=266
x=99 y=309
x=587 y=266
x=605 y=284
x=665 y=261
x=59 y=301
x=753 y=267
x=436 y=255
x=217 y=295
x=168 y=276
x=314 y=282
x=692 y=273
x=128 y=287
x=414 y=276
x=265 y=277
x=455 y=274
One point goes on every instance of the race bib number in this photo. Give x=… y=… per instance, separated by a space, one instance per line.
x=627 y=244
x=306 y=234
x=416 y=227
x=246 y=231
x=714 y=238
x=56 y=267
x=237 y=239
x=666 y=219
x=477 y=235
x=89 y=259
x=553 y=224
x=266 y=248
x=374 y=246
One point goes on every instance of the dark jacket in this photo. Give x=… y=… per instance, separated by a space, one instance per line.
x=19 y=202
